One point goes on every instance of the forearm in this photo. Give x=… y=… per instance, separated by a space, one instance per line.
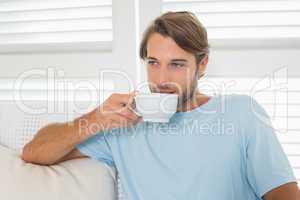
x=54 y=141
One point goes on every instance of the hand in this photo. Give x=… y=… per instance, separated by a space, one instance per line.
x=116 y=112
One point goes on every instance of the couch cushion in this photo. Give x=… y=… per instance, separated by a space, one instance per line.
x=77 y=179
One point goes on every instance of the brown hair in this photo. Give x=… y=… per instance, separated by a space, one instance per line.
x=184 y=28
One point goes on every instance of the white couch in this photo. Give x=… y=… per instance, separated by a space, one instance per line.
x=78 y=179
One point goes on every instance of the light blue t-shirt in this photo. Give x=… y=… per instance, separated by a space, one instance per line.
x=223 y=150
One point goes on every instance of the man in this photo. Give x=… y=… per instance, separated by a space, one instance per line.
x=204 y=152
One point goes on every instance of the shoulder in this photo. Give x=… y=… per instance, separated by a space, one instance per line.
x=244 y=105
x=251 y=116
x=236 y=99
x=245 y=111
x=234 y=104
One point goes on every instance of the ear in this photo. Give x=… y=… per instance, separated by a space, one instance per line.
x=202 y=66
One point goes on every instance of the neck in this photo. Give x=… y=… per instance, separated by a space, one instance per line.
x=195 y=101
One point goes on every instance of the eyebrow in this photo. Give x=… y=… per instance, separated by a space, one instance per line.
x=173 y=60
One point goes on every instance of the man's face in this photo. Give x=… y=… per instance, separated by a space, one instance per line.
x=170 y=69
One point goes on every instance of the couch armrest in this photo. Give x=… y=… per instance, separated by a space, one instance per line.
x=77 y=179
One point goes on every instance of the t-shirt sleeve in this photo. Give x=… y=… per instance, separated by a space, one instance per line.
x=266 y=163
x=98 y=148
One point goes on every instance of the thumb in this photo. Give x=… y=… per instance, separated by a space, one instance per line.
x=131 y=98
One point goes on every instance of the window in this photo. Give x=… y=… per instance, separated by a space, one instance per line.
x=243 y=19
x=280 y=97
x=55 y=24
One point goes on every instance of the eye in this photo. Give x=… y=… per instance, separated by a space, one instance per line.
x=152 y=62
x=177 y=65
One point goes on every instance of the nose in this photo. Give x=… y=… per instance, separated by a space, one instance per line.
x=163 y=75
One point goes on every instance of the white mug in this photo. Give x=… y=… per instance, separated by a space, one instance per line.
x=156 y=107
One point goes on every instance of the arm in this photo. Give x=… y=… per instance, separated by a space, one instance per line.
x=72 y=155
x=56 y=142
x=269 y=171
x=288 y=191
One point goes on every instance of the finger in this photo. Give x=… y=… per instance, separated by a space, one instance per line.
x=131 y=102
x=134 y=111
x=126 y=99
x=128 y=113
x=118 y=120
x=121 y=121
x=130 y=110
x=139 y=119
x=122 y=99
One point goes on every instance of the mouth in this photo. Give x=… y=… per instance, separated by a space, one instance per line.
x=168 y=92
